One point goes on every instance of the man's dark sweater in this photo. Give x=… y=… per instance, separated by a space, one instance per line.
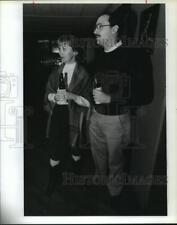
x=126 y=75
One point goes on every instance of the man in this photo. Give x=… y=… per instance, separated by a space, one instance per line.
x=125 y=79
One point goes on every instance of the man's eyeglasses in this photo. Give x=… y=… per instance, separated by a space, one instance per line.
x=99 y=26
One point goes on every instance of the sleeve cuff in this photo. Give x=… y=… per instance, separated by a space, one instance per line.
x=51 y=97
x=82 y=101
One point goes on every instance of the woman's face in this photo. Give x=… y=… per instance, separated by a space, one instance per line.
x=66 y=52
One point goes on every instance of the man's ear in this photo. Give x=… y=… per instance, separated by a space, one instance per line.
x=115 y=28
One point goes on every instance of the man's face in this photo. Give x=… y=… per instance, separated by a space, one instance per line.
x=66 y=52
x=103 y=31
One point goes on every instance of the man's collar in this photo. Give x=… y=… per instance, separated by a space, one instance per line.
x=117 y=45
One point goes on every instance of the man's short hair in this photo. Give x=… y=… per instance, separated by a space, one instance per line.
x=125 y=18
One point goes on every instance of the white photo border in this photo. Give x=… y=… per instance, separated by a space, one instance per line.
x=12 y=165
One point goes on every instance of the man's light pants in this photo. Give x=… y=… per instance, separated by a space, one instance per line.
x=109 y=136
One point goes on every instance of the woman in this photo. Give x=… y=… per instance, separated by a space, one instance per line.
x=68 y=105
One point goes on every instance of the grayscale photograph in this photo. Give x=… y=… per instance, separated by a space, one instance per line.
x=94 y=87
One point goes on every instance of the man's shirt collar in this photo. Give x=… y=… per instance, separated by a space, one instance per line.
x=117 y=45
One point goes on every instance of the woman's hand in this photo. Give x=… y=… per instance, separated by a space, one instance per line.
x=71 y=96
x=79 y=100
x=60 y=96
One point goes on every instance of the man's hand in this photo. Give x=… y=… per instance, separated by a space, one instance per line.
x=100 y=96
